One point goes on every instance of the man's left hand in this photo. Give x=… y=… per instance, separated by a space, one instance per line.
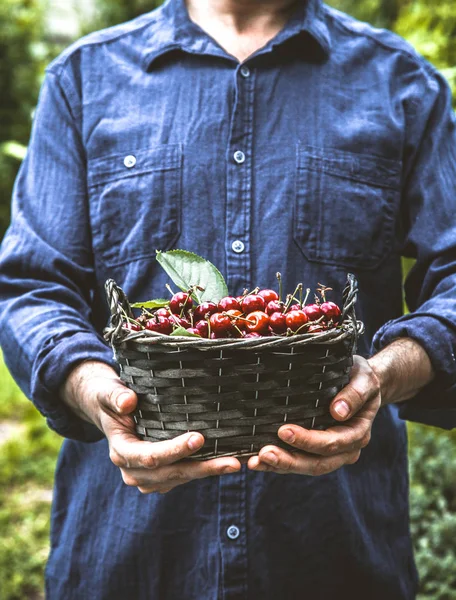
x=321 y=452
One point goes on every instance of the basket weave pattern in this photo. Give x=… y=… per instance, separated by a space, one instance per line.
x=237 y=393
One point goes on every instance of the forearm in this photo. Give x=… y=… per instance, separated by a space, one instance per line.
x=403 y=369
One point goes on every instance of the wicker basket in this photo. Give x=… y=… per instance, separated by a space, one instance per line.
x=236 y=392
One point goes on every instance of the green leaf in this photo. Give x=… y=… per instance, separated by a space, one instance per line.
x=14 y=150
x=181 y=331
x=158 y=303
x=187 y=269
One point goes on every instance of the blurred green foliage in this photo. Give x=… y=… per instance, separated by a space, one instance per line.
x=28 y=457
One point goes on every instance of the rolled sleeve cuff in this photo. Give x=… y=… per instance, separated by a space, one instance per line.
x=436 y=403
x=52 y=366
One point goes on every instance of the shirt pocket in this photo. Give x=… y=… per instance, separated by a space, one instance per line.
x=135 y=203
x=345 y=206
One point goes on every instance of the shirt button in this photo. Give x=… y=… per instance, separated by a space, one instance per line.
x=238 y=246
x=239 y=157
x=233 y=532
x=130 y=161
x=245 y=71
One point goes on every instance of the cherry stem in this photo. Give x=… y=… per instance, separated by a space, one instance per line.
x=307 y=295
x=279 y=279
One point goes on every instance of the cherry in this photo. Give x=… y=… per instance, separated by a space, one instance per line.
x=180 y=302
x=316 y=328
x=132 y=326
x=331 y=311
x=253 y=303
x=220 y=324
x=180 y=321
x=294 y=307
x=275 y=306
x=162 y=312
x=313 y=312
x=229 y=303
x=258 y=322
x=296 y=319
x=252 y=334
x=204 y=310
x=236 y=318
x=160 y=325
x=269 y=295
x=194 y=330
x=203 y=328
x=278 y=322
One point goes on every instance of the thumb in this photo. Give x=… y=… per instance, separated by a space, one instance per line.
x=119 y=398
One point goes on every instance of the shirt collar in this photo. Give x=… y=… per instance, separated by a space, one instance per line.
x=173 y=30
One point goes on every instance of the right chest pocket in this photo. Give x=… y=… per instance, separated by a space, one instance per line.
x=135 y=203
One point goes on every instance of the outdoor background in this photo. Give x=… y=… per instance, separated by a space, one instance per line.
x=32 y=32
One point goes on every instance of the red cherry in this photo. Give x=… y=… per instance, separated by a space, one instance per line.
x=203 y=328
x=253 y=303
x=204 y=310
x=132 y=326
x=252 y=334
x=331 y=311
x=180 y=321
x=180 y=302
x=162 y=312
x=275 y=307
x=313 y=312
x=229 y=303
x=194 y=330
x=278 y=322
x=315 y=328
x=258 y=322
x=296 y=319
x=160 y=325
x=220 y=324
x=294 y=307
x=269 y=295
x=235 y=320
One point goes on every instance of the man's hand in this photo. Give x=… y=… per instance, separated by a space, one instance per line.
x=324 y=451
x=395 y=374
x=95 y=393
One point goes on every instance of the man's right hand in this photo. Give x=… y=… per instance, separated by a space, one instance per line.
x=95 y=393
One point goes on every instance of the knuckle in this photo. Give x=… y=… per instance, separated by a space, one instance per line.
x=117 y=459
x=128 y=479
x=176 y=475
x=365 y=440
x=354 y=457
x=149 y=461
x=332 y=448
x=319 y=468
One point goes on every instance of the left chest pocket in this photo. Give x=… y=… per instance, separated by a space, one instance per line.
x=135 y=203
x=345 y=206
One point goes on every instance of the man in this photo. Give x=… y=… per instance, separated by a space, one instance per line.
x=264 y=136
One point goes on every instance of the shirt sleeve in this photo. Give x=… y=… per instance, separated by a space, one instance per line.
x=46 y=264
x=429 y=233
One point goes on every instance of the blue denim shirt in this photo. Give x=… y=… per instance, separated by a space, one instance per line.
x=331 y=149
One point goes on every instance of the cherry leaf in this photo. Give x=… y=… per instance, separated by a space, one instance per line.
x=182 y=332
x=158 y=303
x=187 y=269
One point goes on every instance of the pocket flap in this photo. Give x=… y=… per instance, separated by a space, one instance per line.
x=130 y=164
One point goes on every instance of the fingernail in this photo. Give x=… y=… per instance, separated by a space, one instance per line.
x=121 y=398
x=342 y=409
x=287 y=435
x=271 y=458
x=194 y=442
x=229 y=470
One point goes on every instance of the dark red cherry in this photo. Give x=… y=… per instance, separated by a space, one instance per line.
x=229 y=303
x=313 y=312
x=258 y=322
x=331 y=311
x=194 y=330
x=253 y=303
x=278 y=322
x=315 y=328
x=275 y=307
x=162 y=312
x=296 y=319
x=268 y=295
x=203 y=328
x=180 y=302
x=180 y=321
x=203 y=310
x=220 y=324
x=235 y=315
x=252 y=334
x=160 y=325
x=294 y=307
